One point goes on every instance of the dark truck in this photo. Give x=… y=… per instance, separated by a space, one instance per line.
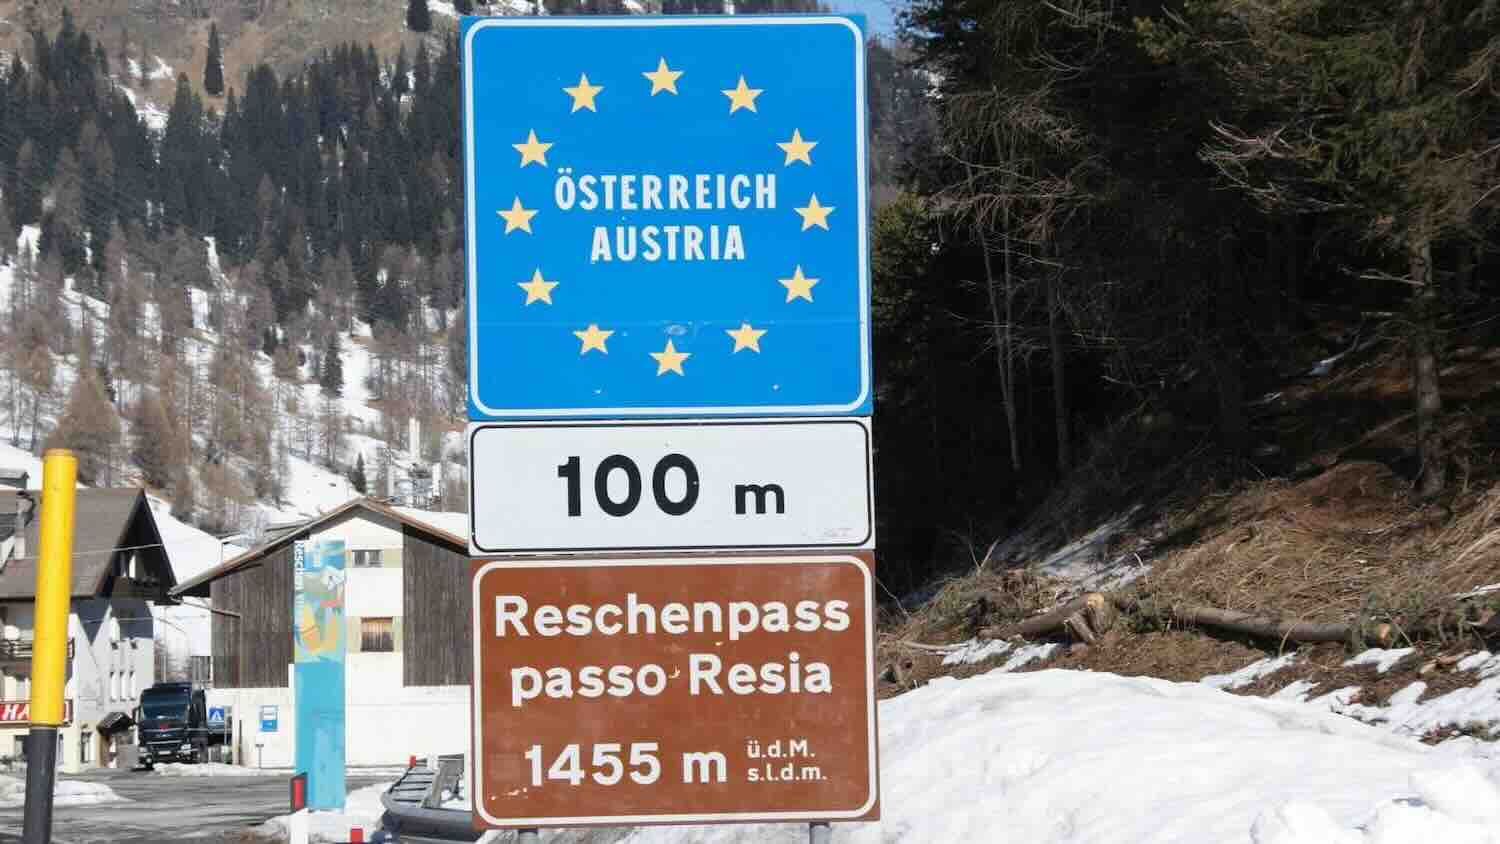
x=172 y=724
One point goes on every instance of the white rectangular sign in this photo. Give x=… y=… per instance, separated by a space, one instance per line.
x=539 y=488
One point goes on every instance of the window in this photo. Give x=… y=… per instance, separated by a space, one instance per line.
x=377 y=635
x=86 y=747
x=367 y=558
x=133 y=690
x=114 y=686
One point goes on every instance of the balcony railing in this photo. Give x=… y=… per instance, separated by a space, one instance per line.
x=19 y=650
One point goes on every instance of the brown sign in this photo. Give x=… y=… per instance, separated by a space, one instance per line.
x=673 y=691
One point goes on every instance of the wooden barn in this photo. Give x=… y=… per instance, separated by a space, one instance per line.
x=407 y=638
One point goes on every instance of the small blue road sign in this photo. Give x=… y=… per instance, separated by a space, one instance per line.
x=268 y=719
x=666 y=216
x=216 y=716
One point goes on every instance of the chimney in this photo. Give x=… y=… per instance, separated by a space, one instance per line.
x=413 y=439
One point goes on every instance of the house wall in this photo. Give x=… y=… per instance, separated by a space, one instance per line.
x=384 y=723
x=437 y=606
x=113 y=660
x=395 y=707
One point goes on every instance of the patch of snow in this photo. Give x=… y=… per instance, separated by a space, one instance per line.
x=1483 y=590
x=454 y=523
x=1382 y=658
x=362 y=808
x=976 y=650
x=1487 y=664
x=1250 y=673
x=1404 y=713
x=153 y=116
x=64 y=793
x=1028 y=653
x=1061 y=757
x=161 y=71
x=1083 y=557
x=442 y=7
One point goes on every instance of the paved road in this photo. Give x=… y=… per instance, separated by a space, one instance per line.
x=167 y=809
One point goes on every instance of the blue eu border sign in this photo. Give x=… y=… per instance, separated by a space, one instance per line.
x=666 y=217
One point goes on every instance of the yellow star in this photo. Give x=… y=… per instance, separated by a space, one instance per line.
x=663 y=78
x=746 y=337
x=593 y=338
x=742 y=96
x=538 y=289
x=532 y=150
x=814 y=214
x=797 y=149
x=520 y=218
x=798 y=286
x=670 y=360
x=583 y=93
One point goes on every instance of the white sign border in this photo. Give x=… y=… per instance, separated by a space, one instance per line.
x=862 y=177
x=872 y=795
x=864 y=422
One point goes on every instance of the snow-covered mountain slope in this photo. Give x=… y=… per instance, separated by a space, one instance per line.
x=310 y=488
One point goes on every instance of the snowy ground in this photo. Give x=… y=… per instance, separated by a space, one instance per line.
x=1067 y=756
x=362 y=809
x=64 y=793
x=1472 y=707
x=213 y=769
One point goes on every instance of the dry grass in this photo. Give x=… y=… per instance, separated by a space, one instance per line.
x=1325 y=531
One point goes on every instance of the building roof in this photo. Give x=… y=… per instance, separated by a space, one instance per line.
x=106 y=523
x=435 y=525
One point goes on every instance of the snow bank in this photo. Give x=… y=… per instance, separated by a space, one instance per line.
x=1250 y=673
x=1405 y=712
x=64 y=793
x=976 y=651
x=361 y=809
x=1066 y=756
x=1382 y=658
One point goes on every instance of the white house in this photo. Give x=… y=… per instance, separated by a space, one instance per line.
x=407 y=609
x=119 y=568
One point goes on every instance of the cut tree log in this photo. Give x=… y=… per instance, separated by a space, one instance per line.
x=1038 y=625
x=1093 y=614
x=1240 y=622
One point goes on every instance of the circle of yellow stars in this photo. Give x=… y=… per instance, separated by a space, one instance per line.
x=585 y=97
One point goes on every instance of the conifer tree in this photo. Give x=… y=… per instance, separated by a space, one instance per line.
x=331 y=376
x=418 y=16
x=357 y=477
x=464 y=7
x=400 y=82
x=213 y=69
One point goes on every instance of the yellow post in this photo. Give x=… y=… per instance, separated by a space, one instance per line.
x=54 y=587
x=49 y=647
